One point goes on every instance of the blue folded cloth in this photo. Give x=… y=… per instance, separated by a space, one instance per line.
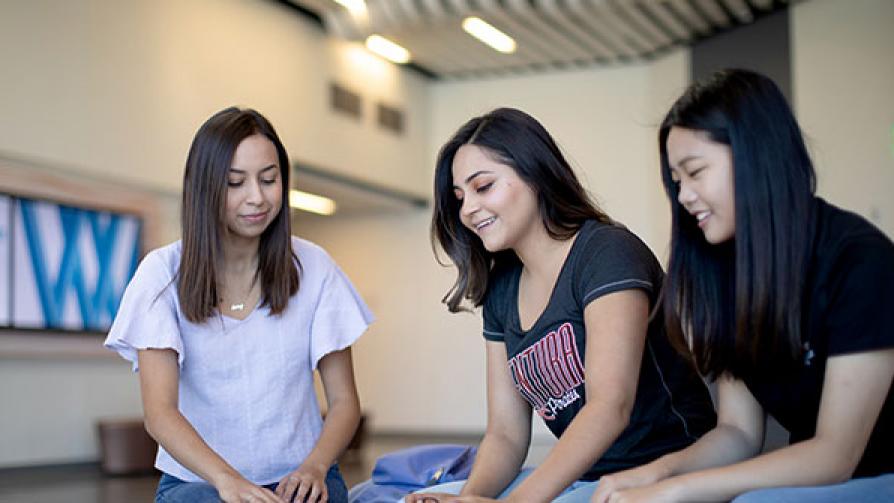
x=399 y=473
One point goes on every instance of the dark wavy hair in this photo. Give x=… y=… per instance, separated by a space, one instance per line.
x=516 y=139
x=203 y=218
x=741 y=301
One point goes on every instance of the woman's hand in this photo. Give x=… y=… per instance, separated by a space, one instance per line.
x=306 y=484
x=235 y=489
x=428 y=497
x=627 y=479
x=661 y=492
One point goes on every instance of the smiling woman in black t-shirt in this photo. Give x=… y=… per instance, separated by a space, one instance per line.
x=567 y=295
x=790 y=306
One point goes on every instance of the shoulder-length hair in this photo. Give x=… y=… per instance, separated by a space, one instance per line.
x=516 y=139
x=741 y=302
x=203 y=218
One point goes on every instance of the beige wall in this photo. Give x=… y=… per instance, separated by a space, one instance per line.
x=843 y=79
x=118 y=88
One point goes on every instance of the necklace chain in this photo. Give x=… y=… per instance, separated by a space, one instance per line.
x=241 y=305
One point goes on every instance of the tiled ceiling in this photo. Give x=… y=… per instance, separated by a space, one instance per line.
x=550 y=34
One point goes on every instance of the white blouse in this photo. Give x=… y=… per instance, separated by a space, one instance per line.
x=246 y=386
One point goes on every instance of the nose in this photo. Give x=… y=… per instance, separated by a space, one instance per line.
x=254 y=195
x=468 y=206
x=686 y=196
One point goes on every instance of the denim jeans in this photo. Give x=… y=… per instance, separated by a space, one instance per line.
x=866 y=490
x=173 y=490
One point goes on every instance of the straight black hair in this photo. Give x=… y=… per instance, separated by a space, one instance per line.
x=740 y=303
x=203 y=215
x=516 y=139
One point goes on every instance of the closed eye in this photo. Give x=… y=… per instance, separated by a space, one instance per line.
x=235 y=183
x=484 y=188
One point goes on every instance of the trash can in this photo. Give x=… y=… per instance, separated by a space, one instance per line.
x=125 y=447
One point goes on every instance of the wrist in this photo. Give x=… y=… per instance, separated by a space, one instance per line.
x=221 y=477
x=316 y=465
x=663 y=467
x=673 y=488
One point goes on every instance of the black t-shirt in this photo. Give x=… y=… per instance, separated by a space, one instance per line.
x=849 y=308
x=672 y=406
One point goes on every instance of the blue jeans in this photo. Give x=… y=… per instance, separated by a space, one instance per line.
x=868 y=490
x=578 y=492
x=173 y=490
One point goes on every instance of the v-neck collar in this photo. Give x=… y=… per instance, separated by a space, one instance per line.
x=516 y=286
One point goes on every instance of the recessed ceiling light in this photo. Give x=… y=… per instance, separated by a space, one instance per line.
x=311 y=202
x=355 y=6
x=387 y=49
x=491 y=36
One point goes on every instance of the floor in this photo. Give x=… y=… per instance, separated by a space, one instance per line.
x=85 y=483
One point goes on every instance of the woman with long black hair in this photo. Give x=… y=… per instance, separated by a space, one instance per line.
x=784 y=299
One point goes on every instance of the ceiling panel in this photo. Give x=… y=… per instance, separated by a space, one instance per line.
x=549 y=33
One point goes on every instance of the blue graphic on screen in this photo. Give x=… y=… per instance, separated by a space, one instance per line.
x=71 y=265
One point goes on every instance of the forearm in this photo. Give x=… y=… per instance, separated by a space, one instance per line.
x=339 y=428
x=497 y=463
x=178 y=437
x=721 y=446
x=808 y=463
x=589 y=435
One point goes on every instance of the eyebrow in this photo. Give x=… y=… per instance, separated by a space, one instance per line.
x=242 y=172
x=473 y=176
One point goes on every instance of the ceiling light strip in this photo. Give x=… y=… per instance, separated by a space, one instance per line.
x=488 y=34
x=387 y=49
x=311 y=202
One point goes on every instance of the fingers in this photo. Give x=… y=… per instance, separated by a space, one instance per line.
x=422 y=498
x=304 y=489
x=269 y=496
x=603 y=493
x=260 y=495
x=286 y=487
x=315 y=493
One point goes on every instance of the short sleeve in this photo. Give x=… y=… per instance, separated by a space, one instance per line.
x=612 y=260
x=147 y=316
x=499 y=300
x=340 y=317
x=493 y=322
x=860 y=308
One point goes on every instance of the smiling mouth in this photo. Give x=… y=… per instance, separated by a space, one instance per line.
x=484 y=223
x=701 y=216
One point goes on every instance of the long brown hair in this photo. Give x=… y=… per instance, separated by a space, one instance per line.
x=519 y=141
x=203 y=218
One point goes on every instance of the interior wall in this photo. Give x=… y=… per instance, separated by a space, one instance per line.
x=843 y=78
x=419 y=368
x=119 y=88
